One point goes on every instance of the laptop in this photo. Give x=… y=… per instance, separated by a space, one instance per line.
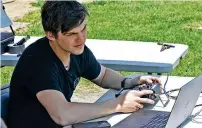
x=182 y=109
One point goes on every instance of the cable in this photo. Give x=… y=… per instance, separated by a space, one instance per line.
x=197 y=113
x=192 y=117
x=171 y=91
x=167 y=93
x=198 y=105
x=164 y=86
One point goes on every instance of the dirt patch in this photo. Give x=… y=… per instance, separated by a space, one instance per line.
x=16 y=9
x=87 y=97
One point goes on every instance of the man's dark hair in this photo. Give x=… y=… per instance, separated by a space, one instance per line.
x=62 y=15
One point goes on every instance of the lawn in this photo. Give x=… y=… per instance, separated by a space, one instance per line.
x=161 y=21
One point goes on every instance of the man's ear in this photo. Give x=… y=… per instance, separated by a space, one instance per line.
x=50 y=36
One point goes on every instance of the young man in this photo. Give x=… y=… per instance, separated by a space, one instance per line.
x=49 y=70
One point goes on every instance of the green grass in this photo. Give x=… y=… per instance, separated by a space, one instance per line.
x=6 y=74
x=38 y=3
x=140 y=21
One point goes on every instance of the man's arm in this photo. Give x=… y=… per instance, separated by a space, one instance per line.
x=109 y=78
x=65 y=113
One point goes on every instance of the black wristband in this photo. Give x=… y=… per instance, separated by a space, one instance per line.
x=123 y=82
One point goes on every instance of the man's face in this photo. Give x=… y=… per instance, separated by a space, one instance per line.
x=73 y=41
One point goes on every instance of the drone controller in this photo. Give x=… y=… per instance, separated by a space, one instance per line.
x=156 y=93
x=154 y=87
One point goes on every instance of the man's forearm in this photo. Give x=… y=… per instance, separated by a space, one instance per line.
x=112 y=79
x=78 y=112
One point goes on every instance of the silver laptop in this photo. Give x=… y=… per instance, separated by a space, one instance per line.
x=182 y=109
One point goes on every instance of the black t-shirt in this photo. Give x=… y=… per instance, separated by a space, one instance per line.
x=39 y=69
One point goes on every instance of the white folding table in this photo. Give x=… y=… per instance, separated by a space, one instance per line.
x=123 y=55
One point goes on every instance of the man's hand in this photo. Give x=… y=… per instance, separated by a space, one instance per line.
x=145 y=80
x=131 y=101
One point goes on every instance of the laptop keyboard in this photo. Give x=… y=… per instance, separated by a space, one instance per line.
x=158 y=121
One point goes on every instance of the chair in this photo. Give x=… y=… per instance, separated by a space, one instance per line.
x=4 y=101
x=6 y=36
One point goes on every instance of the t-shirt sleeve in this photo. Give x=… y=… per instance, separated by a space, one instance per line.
x=42 y=76
x=92 y=67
